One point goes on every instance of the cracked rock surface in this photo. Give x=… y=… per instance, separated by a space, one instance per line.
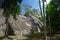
x=21 y=27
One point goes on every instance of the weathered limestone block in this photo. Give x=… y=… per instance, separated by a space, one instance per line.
x=21 y=26
x=2 y=23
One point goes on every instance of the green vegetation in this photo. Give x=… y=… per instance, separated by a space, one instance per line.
x=33 y=12
x=52 y=22
x=53 y=16
x=11 y=7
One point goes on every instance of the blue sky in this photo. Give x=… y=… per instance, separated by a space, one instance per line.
x=33 y=3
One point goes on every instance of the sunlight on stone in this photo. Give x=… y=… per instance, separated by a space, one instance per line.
x=39 y=30
x=1 y=31
x=28 y=24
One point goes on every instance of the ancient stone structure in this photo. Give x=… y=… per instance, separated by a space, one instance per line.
x=21 y=27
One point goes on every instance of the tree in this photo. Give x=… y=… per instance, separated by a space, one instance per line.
x=40 y=7
x=1 y=1
x=53 y=14
x=44 y=21
x=10 y=8
x=33 y=12
x=28 y=13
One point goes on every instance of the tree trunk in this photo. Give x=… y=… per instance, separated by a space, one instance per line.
x=44 y=22
x=40 y=8
x=7 y=25
x=6 y=21
x=0 y=5
x=6 y=11
x=43 y=19
x=50 y=29
x=9 y=30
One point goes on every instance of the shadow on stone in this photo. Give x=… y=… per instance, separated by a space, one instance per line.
x=10 y=31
